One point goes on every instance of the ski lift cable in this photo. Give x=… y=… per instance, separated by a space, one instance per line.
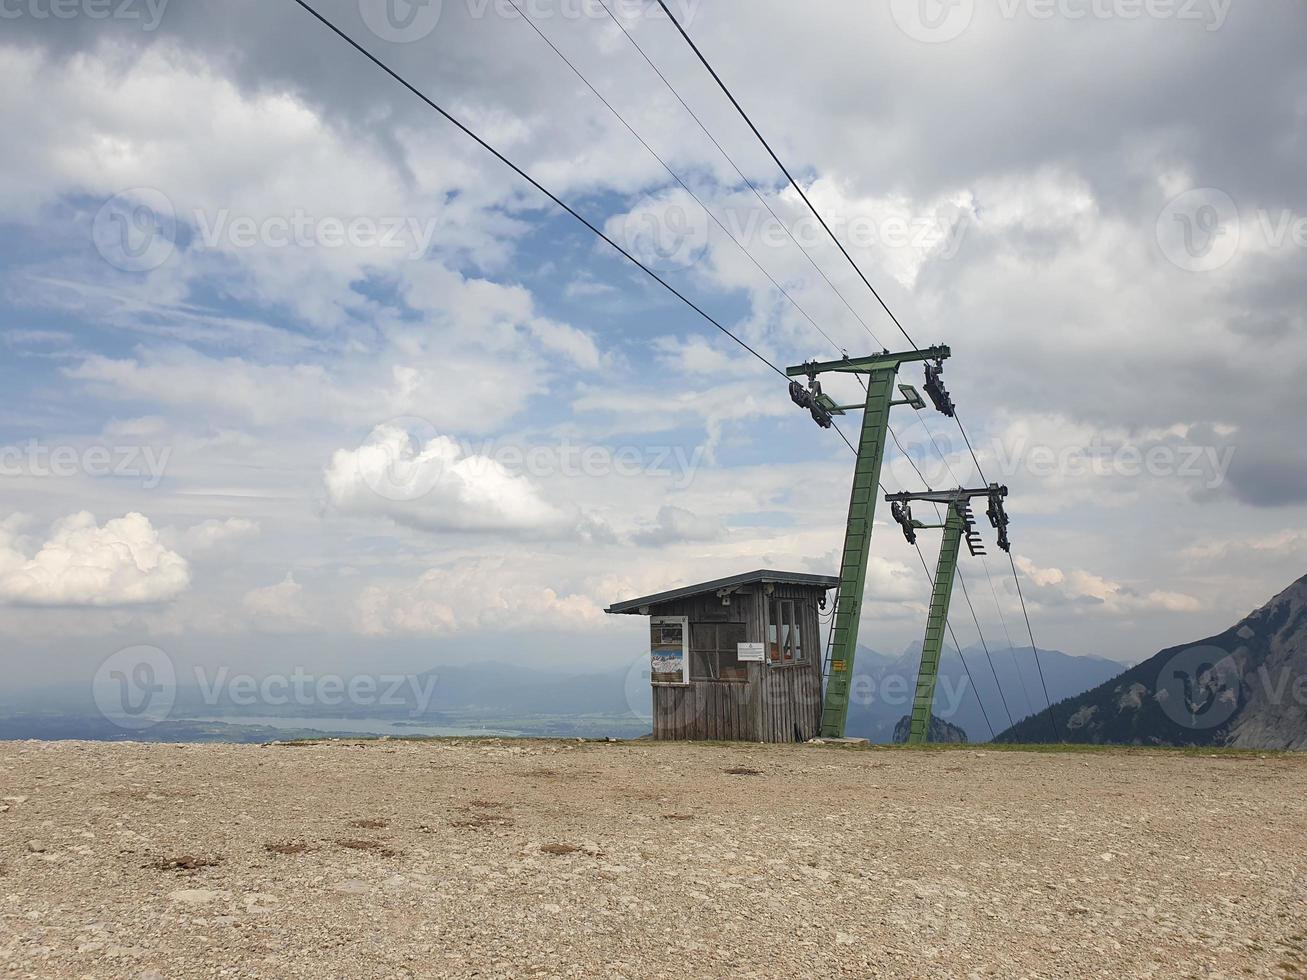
x=985 y=646
x=785 y=170
x=1052 y=716
x=797 y=187
x=703 y=206
x=675 y=176
x=752 y=186
x=1011 y=647
x=762 y=200
x=463 y=127
x=840 y=245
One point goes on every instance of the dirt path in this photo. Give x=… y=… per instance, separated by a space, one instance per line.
x=548 y=859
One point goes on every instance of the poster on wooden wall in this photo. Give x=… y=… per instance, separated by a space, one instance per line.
x=669 y=650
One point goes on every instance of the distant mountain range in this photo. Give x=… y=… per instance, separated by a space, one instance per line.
x=1244 y=688
x=535 y=701
x=882 y=689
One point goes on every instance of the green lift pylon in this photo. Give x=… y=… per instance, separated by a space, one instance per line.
x=958 y=524
x=881 y=371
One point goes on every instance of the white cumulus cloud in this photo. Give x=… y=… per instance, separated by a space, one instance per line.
x=434 y=486
x=123 y=563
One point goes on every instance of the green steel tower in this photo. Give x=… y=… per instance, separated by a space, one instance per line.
x=881 y=373
x=958 y=524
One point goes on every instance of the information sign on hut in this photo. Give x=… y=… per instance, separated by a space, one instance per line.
x=738 y=659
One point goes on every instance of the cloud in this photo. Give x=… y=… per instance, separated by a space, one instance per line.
x=281 y=608
x=634 y=409
x=1177 y=602
x=585 y=286
x=476 y=595
x=123 y=563
x=215 y=535
x=434 y=486
x=699 y=355
x=1285 y=543
x=576 y=345
x=1077 y=587
x=36 y=338
x=676 y=525
x=896 y=232
x=120 y=109
x=1269 y=473
x=258 y=393
x=403 y=376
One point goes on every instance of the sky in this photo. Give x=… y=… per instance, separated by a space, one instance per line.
x=298 y=376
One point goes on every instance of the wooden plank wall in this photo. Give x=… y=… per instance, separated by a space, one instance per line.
x=707 y=711
x=776 y=704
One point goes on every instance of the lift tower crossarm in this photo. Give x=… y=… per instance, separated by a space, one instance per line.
x=866 y=365
x=945 y=496
x=881 y=371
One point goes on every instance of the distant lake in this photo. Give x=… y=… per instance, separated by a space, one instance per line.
x=357 y=726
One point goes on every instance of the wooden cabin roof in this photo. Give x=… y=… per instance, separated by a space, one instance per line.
x=632 y=607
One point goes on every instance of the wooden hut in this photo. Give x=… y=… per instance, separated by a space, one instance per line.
x=738 y=659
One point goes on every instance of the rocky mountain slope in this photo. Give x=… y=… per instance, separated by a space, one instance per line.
x=940 y=732
x=1245 y=688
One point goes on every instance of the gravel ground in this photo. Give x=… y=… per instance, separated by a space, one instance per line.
x=558 y=859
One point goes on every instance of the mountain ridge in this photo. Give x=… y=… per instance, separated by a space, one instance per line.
x=1245 y=687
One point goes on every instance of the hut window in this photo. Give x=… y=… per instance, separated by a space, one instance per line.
x=784 y=635
x=715 y=652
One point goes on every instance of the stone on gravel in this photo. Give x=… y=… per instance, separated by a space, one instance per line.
x=198 y=896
